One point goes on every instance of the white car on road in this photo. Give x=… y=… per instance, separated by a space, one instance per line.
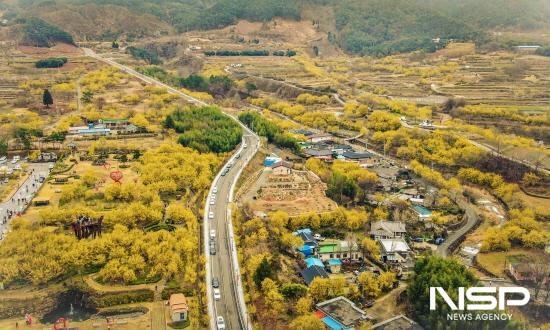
x=212 y=233
x=220 y=323
x=210 y=215
x=217 y=294
x=215 y=190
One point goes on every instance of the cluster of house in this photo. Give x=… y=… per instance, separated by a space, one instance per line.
x=337 y=313
x=341 y=313
x=104 y=127
x=322 y=146
x=327 y=255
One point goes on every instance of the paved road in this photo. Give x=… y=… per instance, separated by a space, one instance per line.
x=224 y=264
x=221 y=265
x=25 y=190
x=472 y=219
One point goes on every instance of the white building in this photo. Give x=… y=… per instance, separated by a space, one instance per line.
x=394 y=250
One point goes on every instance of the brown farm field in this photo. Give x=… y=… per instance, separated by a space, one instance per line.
x=298 y=193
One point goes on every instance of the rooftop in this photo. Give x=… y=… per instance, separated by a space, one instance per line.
x=394 y=245
x=314 y=262
x=388 y=226
x=282 y=163
x=94 y=130
x=356 y=155
x=113 y=121
x=317 y=152
x=342 y=310
x=178 y=302
x=342 y=146
x=310 y=273
x=335 y=246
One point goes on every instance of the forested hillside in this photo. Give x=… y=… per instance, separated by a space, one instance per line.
x=42 y=34
x=373 y=27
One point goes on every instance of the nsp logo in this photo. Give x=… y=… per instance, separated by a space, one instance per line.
x=485 y=295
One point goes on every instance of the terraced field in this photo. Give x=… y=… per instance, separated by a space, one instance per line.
x=495 y=86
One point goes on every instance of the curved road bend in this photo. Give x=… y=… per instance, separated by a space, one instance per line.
x=471 y=220
x=223 y=264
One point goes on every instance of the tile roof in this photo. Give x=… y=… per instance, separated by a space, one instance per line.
x=388 y=226
x=310 y=273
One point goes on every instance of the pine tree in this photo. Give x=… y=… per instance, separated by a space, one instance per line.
x=47 y=98
x=262 y=272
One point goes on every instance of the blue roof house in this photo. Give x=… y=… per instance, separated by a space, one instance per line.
x=311 y=261
x=307 y=250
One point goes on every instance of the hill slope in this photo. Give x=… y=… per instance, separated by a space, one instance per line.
x=376 y=27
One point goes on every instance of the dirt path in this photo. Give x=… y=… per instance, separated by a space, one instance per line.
x=386 y=306
x=119 y=288
x=158 y=317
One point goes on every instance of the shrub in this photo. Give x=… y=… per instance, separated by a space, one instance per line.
x=120 y=298
x=52 y=62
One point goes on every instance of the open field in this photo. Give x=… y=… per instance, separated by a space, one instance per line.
x=496 y=262
x=298 y=193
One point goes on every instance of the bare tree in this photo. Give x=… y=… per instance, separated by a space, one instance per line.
x=5 y=50
x=540 y=273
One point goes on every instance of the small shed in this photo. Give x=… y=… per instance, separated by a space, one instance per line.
x=282 y=168
x=334 y=265
x=178 y=307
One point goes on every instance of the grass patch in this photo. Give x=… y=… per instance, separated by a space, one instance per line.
x=179 y=325
x=497 y=262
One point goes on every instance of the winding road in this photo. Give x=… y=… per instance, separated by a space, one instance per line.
x=224 y=264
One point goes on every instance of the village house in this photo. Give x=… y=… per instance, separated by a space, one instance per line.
x=394 y=250
x=336 y=249
x=114 y=124
x=311 y=273
x=387 y=229
x=354 y=156
x=323 y=154
x=178 y=307
x=282 y=168
x=339 y=149
x=89 y=131
x=340 y=313
x=310 y=243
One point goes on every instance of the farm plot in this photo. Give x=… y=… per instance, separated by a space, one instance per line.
x=297 y=193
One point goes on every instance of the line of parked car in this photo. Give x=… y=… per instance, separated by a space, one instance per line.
x=4 y=160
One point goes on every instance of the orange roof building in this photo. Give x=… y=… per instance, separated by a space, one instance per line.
x=178 y=307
